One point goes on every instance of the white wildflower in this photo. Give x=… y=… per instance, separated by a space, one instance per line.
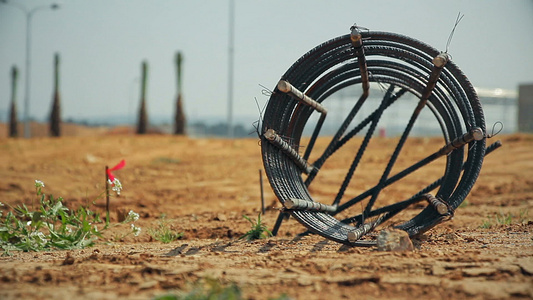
x=136 y=230
x=40 y=236
x=39 y=184
x=1 y=204
x=28 y=223
x=116 y=185
x=131 y=217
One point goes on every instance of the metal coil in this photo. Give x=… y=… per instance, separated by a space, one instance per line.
x=391 y=59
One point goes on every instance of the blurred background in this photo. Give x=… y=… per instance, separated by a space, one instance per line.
x=230 y=50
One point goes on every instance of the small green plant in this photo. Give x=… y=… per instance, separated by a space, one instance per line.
x=258 y=230
x=523 y=216
x=206 y=289
x=505 y=219
x=211 y=289
x=487 y=223
x=163 y=232
x=51 y=226
x=131 y=217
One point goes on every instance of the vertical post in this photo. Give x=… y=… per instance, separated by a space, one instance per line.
x=230 y=67
x=142 y=124
x=27 y=130
x=13 y=119
x=106 y=196
x=28 y=14
x=55 y=116
x=262 y=194
x=179 y=120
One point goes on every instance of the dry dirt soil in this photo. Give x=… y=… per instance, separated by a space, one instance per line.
x=205 y=186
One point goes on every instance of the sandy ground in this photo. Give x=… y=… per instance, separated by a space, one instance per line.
x=204 y=186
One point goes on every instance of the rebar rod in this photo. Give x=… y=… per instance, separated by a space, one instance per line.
x=279 y=220
x=276 y=140
x=364 y=144
x=365 y=122
x=438 y=63
x=403 y=204
x=286 y=87
x=312 y=141
x=337 y=144
x=440 y=206
x=412 y=169
x=363 y=229
x=300 y=204
x=475 y=134
x=357 y=42
x=357 y=45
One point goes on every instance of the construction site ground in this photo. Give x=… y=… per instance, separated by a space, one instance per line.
x=203 y=187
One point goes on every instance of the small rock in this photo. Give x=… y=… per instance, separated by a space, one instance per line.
x=317 y=287
x=452 y=237
x=91 y=159
x=304 y=281
x=296 y=270
x=526 y=264
x=473 y=272
x=438 y=269
x=221 y=217
x=394 y=240
x=69 y=260
x=148 y=284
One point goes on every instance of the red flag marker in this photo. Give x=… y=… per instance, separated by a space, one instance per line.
x=119 y=166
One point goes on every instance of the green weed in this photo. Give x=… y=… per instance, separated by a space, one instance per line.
x=523 y=216
x=487 y=223
x=211 y=289
x=258 y=230
x=206 y=289
x=51 y=226
x=505 y=219
x=163 y=232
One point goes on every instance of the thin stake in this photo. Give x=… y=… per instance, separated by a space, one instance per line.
x=106 y=196
x=262 y=195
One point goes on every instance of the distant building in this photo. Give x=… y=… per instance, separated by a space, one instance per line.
x=525 y=108
x=499 y=105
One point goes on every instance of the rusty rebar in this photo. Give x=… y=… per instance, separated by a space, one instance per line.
x=276 y=140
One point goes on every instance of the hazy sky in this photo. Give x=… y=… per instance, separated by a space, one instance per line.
x=103 y=42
